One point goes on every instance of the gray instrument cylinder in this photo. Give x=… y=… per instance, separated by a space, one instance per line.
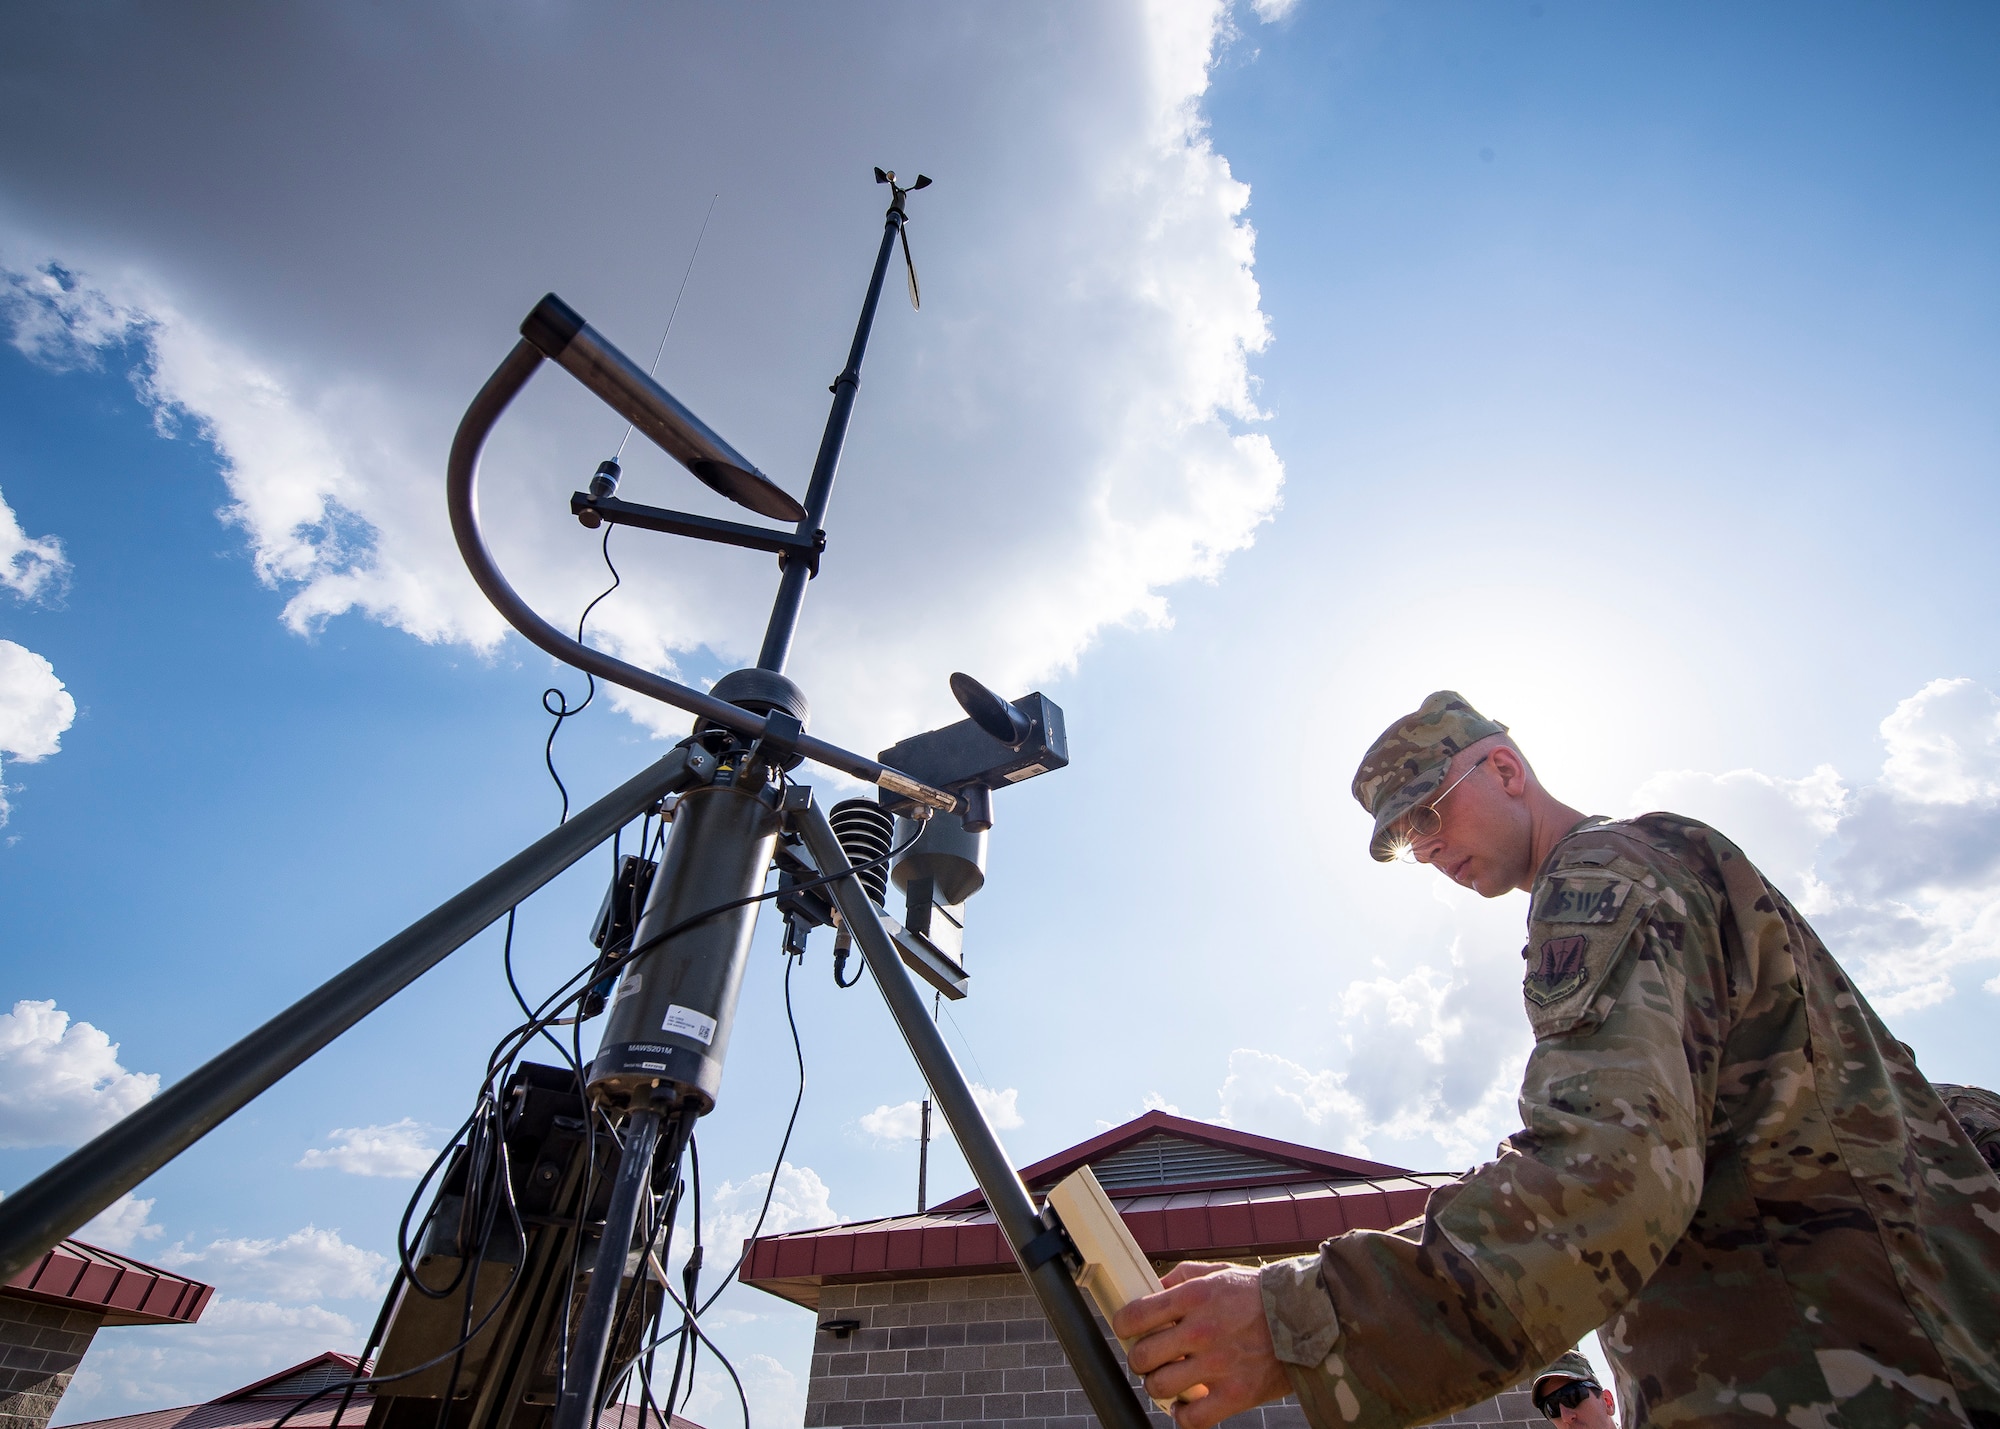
x=953 y=859
x=668 y=1029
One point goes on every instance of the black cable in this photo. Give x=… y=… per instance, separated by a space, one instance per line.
x=839 y=960
x=550 y=1011
x=575 y=1064
x=483 y=1135
x=561 y=708
x=798 y=1053
x=404 y=1259
x=694 y=1324
x=690 y=1283
x=662 y=1218
x=821 y=881
x=784 y=1144
x=664 y=1225
x=362 y=1363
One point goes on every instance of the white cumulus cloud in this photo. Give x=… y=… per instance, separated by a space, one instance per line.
x=402 y=1149
x=1900 y=875
x=121 y=1225
x=901 y=1122
x=1001 y=1107
x=236 y=1342
x=60 y=1081
x=1429 y=1066
x=801 y=1201
x=904 y=1120
x=776 y=1397
x=1074 y=410
x=32 y=567
x=265 y=1315
x=35 y=709
x=309 y=1264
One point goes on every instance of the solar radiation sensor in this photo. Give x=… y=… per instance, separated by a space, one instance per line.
x=561 y=334
x=995 y=716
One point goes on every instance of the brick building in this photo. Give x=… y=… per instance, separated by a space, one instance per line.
x=924 y=1319
x=50 y=1312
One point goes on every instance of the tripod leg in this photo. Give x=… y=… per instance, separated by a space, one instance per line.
x=37 y=1215
x=578 y=1405
x=1083 y=1344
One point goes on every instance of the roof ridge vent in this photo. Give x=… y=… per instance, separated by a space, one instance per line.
x=1166 y=1159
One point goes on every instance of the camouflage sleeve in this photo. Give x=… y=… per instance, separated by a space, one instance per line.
x=1977 y=1111
x=1530 y=1252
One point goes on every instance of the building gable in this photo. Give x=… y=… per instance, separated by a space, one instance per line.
x=322 y=1371
x=1160 y=1151
x=1186 y=1191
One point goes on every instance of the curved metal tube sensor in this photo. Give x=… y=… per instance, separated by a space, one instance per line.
x=462 y=497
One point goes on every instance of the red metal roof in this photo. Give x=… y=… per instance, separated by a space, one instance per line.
x=1286 y=1213
x=125 y=1291
x=1289 y=1161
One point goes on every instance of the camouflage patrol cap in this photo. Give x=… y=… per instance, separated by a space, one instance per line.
x=1570 y=1366
x=1407 y=762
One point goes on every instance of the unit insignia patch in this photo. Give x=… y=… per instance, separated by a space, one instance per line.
x=1560 y=971
x=1580 y=923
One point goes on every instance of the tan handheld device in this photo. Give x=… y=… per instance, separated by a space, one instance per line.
x=1115 y=1271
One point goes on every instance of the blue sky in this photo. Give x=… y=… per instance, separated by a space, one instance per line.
x=1626 y=370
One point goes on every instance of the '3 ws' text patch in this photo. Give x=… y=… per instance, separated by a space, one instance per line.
x=1577 y=926
x=1580 y=898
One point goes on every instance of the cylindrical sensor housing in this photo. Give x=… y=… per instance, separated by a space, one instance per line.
x=668 y=1029
x=946 y=853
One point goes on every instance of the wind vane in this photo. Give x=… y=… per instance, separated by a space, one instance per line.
x=897 y=193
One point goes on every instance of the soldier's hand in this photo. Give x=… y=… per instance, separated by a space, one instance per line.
x=1204 y=1336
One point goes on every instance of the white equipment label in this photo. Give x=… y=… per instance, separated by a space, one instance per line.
x=689 y=1023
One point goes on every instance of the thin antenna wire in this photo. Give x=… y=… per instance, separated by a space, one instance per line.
x=650 y=371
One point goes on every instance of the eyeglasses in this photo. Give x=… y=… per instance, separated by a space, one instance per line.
x=1425 y=819
x=1570 y=1395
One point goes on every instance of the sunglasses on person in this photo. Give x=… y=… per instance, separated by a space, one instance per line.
x=1425 y=820
x=1568 y=1397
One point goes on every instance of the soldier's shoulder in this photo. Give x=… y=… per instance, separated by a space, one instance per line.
x=1652 y=849
x=1969 y=1102
x=1978 y=1111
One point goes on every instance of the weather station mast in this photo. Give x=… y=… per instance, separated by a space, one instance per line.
x=531 y=1290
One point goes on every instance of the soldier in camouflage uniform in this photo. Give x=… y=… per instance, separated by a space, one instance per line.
x=1572 y=1373
x=1726 y=1163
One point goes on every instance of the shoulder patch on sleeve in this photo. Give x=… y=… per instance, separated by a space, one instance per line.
x=1580 y=897
x=1578 y=926
x=1560 y=970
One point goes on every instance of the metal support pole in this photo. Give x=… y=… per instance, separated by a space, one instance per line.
x=578 y=1404
x=90 y=1178
x=1103 y=1378
x=924 y=1158
x=794 y=573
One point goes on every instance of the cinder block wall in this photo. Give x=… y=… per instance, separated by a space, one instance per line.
x=40 y=1346
x=1512 y=1408
x=975 y=1350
